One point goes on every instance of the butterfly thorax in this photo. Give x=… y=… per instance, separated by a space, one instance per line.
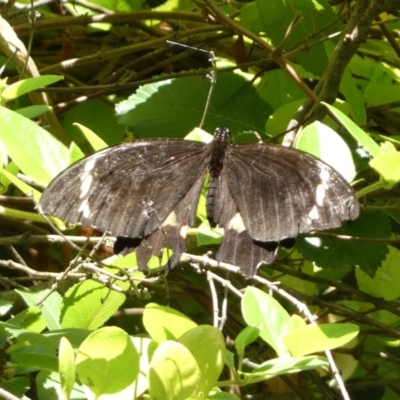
x=218 y=149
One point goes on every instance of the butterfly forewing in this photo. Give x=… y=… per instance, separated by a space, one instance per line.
x=283 y=192
x=128 y=189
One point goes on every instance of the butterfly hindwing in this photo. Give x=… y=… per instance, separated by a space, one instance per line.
x=171 y=232
x=237 y=247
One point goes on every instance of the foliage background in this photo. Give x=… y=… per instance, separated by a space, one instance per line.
x=122 y=80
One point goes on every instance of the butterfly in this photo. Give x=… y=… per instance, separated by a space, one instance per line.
x=146 y=193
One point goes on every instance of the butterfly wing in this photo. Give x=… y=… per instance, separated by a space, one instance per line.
x=281 y=191
x=128 y=189
x=237 y=247
x=170 y=234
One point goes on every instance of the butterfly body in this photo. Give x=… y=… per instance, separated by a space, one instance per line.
x=148 y=190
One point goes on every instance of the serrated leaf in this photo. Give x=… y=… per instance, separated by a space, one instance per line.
x=386 y=282
x=234 y=103
x=329 y=252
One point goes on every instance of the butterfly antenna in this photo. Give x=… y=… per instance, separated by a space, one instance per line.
x=212 y=75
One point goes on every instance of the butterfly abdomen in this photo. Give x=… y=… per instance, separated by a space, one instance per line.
x=218 y=149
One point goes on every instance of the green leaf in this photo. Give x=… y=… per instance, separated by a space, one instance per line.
x=18 y=386
x=22 y=186
x=51 y=307
x=247 y=336
x=207 y=235
x=95 y=141
x=317 y=338
x=250 y=17
x=12 y=169
x=33 y=111
x=164 y=323
x=36 y=152
x=35 y=360
x=350 y=90
x=145 y=348
x=199 y=135
x=75 y=153
x=30 y=319
x=388 y=167
x=291 y=365
x=259 y=309
x=89 y=304
x=107 y=363
x=5 y=307
x=97 y=116
x=24 y=86
x=174 y=373
x=277 y=17
x=279 y=88
x=296 y=322
x=48 y=387
x=223 y=396
x=323 y=142
x=358 y=134
x=386 y=282
x=234 y=103
x=210 y=361
x=66 y=367
x=379 y=94
x=328 y=252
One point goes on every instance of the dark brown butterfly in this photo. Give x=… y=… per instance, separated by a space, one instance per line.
x=146 y=192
